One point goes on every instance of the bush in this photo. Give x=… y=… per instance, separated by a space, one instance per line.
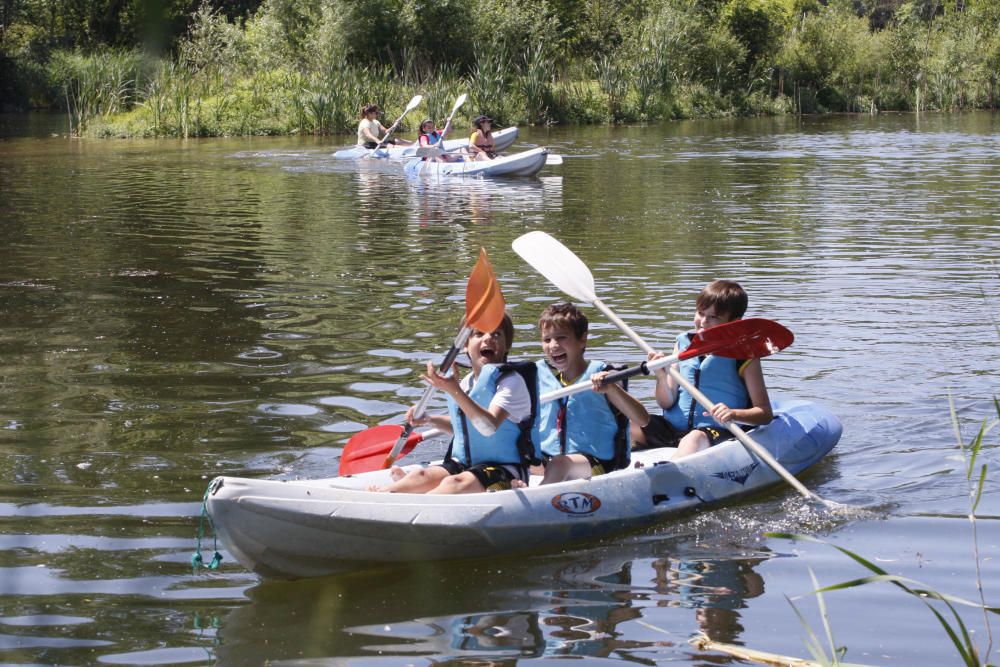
x=835 y=55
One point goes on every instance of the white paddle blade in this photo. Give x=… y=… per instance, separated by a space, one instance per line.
x=553 y=160
x=417 y=99
x=557 y=263
x=458 y=103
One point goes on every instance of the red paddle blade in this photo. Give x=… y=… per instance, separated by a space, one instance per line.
x=366 y=451
x=484 y=304
x=740 y=339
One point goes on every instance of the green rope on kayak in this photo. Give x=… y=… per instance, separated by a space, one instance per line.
x=196 y=560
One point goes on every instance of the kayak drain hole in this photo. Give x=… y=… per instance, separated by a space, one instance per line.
x=660 y=498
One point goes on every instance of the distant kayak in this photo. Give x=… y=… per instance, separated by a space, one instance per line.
x=527 y=163
x=316 y=527
x=501 y=138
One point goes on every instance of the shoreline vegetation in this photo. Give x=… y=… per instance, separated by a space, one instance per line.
x=279 y=67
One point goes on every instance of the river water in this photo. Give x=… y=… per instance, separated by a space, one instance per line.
x=173 y=310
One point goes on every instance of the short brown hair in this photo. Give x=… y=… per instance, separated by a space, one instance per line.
x=507 y=327
x=368 y=108
x=564 y=315
x=726 y=296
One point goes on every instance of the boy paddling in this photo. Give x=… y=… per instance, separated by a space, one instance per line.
x=585 y=434
x=735 y=386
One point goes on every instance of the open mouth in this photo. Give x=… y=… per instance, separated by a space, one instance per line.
x=558 y=359
x=488 y=354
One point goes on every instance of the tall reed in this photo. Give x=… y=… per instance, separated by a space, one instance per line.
x=487 y=82
x=96 y=85
x=535 y=83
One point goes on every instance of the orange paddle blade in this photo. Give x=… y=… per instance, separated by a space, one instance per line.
x=484 y=304
x=366 y=451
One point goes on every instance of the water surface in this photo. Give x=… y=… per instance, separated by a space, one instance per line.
x=177 y=310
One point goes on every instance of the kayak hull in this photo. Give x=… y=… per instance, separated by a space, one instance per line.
x=293 y=529
x=526 y=163
x=502 y=139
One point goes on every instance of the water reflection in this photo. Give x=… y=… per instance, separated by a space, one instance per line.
x=612 y=605
x=479 y=201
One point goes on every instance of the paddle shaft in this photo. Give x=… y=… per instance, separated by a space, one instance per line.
x=409 y=107
x=705 y=402
x=418 y=410
x=447 y=124
x=645 y=368
x=392 y=128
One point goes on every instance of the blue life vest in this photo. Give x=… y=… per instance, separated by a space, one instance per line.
x=589 y=423
x=513 y=444
x=717 y=377
x=432 y=139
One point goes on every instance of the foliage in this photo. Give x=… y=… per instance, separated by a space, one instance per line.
x=835 y=55
x=535 y=84
x=98 y=85
x=437 y=33
x=653 y=52
x=487 y=82
x=759 y=25
x=521 y=61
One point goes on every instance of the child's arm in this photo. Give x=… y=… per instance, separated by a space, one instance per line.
x=666 y=388
x=484 y=420
x=627 y=404
x=759 y=411
x=440 y=422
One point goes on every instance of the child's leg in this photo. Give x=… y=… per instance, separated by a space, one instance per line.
x=417 y=481
x=567 y=466
x=464 y=482
x=695 y=441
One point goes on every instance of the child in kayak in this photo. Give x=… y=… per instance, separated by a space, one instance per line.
x=586 y=434
x=491 y=415
x=431 y=136
x=370 y=129
x=735 y=386
x=481 y=142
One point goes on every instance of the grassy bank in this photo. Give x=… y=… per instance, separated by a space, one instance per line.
x=306 y=67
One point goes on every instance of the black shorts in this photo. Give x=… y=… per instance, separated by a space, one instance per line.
x=597 y=466
x=493 y=476
x=370 y=145
x=661 y=433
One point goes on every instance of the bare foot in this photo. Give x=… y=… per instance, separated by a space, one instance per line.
x=397 y=473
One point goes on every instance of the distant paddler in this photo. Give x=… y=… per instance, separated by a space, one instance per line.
x=481 y=143
x=371 y=132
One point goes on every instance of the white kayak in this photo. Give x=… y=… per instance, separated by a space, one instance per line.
x=526 y=163
x=502 y=139
x=292 y=529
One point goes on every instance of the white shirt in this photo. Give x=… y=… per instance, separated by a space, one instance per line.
x=512 y=395
x=373 y=126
